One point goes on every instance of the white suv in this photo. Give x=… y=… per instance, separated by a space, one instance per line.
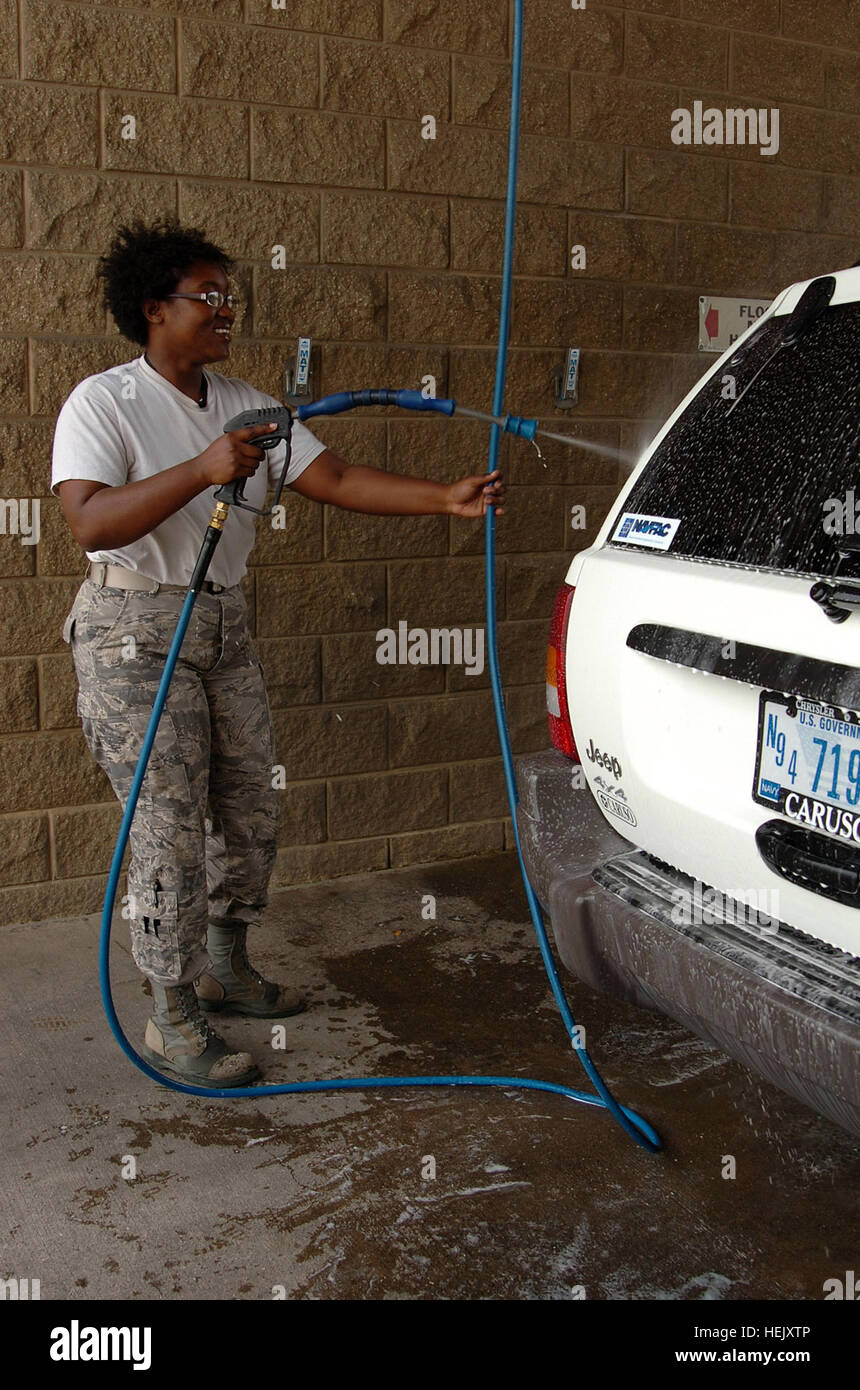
x=695 y=837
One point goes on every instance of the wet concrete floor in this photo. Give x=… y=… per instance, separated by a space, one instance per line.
x=410 y=1194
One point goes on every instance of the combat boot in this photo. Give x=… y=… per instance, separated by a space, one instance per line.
x=179 y=1040
x=233 y=984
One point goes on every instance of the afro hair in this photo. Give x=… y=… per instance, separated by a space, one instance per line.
x=147 y=262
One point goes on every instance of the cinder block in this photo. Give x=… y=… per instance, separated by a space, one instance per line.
x=81 y=212
x=575 y=175
x=622 y=248
x=357 y=536
x=443 y=308
x=85 y=839
x=319 y=148
x=359 y=18
x=37 y=902
x=309 y=863
x=545 y=310
x=8 y=39
x=302 y=819
x=231 y=216
x=49 y=125
x=291 y=666
x=243 y=62
x=175 y=136
x=452 y=842
x=837 y=19
x=766 y=197
x=351 y=671
x=320 y=598
x=72 y=43
x=533 y=520
x=57 y=551
x=478 y=233
x=385 y=229
x=32 y=613
x=25 y=855
x=482 y=96
x=820 y=140
x=326 y=303
x=451 y=728
x=49 y=769
x=588 y=39
x=383 y=81
x=680 y=185
x=13 y=375
x=532 y=584
x=436 y=593
x=461 y=160
x=760 y=15
x=622 y=110
x=19 y=702
x=467 y=26
x=657 y=320
x=347 y=366
x=45 y=294
x=668 y=51
x=330 y=742
x=387 y=803
x=843 y=81
x=296 y=537
x=779 y=71
x=58 y=691
x=11 y=208
x=478 y=791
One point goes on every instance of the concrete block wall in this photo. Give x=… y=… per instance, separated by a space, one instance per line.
x=305 y=125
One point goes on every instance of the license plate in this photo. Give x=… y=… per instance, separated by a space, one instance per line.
x=808 y=764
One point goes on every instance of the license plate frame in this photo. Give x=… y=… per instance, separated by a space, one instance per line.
x=803 y=720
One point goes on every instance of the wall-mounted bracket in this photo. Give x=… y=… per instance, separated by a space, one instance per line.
x=566 y=377
x=298 y=374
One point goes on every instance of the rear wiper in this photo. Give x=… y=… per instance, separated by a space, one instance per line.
x=837 y=596
x=807 y=311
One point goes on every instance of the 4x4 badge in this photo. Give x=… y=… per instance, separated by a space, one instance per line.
x=617 y=808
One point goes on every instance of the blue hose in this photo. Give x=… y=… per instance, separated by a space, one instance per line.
x=638 y=1128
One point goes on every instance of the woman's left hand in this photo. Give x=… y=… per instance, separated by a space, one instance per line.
x=470 y=496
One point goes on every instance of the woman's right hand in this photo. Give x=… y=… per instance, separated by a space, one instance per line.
x=232 y=455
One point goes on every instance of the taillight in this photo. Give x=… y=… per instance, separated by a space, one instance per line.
x=560 y=730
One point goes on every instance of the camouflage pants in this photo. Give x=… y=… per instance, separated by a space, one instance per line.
x=204 y=832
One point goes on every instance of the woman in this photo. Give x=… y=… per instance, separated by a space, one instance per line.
x=137 y=450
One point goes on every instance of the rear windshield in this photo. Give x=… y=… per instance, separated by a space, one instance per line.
x=763 y=466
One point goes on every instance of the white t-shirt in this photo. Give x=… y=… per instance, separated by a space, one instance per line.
x=129 y=423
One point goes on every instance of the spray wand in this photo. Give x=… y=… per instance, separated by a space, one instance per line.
x=282 y=416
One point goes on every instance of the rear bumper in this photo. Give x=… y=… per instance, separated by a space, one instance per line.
x=780 y=1003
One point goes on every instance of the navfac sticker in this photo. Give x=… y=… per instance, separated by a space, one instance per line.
x=636 y=529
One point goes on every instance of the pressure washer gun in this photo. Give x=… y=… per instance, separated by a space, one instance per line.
x=233 y=493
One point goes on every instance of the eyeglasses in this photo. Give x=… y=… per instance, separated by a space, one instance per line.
x=214 y=298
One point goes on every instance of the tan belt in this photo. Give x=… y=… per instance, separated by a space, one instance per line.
x=118 y=577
